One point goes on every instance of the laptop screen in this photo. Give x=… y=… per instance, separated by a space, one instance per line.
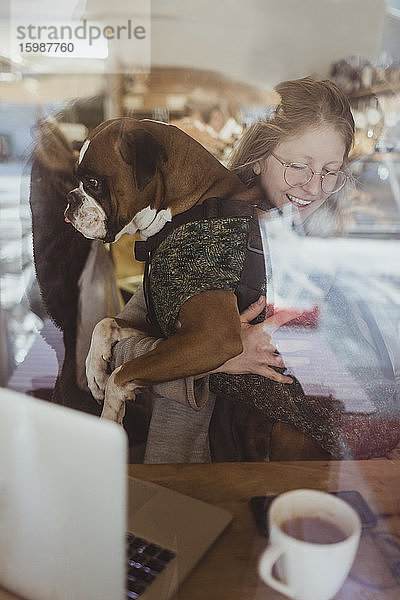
x=63 y=501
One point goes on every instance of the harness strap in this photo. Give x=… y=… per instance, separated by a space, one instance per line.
x=252 y=277
x=211 y=208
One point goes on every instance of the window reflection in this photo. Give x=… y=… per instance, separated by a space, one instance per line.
x=347 y=280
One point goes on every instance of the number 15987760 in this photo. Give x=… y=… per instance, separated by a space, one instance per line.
x=47 y=47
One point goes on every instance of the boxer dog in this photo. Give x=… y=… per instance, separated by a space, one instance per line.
x=136 y=175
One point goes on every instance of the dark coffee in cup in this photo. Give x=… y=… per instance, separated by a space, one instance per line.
x=314 y=530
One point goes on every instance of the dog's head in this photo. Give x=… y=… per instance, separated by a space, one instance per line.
x=119 y=176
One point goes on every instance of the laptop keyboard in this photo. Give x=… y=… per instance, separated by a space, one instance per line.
x=145 y=561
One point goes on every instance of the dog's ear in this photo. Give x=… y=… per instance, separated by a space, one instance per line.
x=141 y=150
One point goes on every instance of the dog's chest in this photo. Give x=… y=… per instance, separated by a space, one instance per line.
x=196 y=257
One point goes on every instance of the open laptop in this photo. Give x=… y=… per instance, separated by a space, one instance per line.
x=66 y=506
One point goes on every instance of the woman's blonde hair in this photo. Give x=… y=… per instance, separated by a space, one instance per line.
x=304 y=103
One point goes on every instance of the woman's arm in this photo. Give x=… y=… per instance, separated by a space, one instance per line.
x=258 y=354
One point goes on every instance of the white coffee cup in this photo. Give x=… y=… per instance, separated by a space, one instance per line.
x=316 y=569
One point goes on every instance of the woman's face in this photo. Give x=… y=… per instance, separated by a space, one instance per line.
x=322 y=148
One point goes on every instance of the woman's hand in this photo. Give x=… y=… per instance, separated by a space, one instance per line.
x=259 y=355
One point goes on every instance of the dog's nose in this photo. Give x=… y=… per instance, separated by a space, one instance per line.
x=65 y=214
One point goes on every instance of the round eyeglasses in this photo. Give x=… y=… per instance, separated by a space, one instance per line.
x=301 y=174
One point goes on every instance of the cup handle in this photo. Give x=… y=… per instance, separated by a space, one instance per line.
x=265 y=566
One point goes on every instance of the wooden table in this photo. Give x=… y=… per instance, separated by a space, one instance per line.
x=229 y=570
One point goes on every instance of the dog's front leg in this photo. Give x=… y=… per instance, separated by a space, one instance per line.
x=201 y=344
x=115 y=398
x=105 y=334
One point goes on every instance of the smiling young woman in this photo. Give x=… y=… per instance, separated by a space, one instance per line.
x=299 y=155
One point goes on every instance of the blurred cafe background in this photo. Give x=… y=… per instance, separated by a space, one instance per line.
x=210 y=68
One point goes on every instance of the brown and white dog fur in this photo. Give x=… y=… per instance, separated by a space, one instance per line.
x=136 y=175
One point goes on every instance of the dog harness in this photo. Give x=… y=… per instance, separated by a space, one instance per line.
x=217 y=245
x=214 y=245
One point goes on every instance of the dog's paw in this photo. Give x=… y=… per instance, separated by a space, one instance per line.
x=97 y=377
x=115 y=398
x=97 y=370
x=104 y=335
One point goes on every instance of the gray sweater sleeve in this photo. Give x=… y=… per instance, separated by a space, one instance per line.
x=191 y=392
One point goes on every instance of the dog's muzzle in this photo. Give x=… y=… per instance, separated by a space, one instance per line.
x=86 y=215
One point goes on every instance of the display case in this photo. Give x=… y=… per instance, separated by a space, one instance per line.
x=373 y=206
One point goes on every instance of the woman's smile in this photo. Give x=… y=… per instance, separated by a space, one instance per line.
x=298 y=201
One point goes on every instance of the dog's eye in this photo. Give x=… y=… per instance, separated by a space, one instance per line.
x=94 y=183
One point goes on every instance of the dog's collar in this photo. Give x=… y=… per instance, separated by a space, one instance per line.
x=148 y=221
x=151 y=222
